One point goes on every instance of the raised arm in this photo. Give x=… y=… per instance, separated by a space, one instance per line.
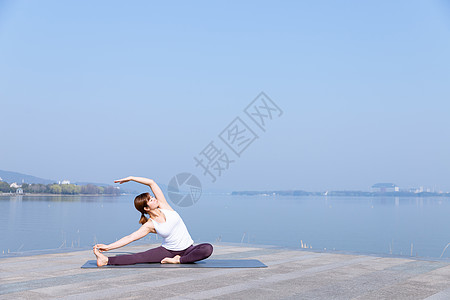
x=138 y=234
x=153 y=186
x=142 y=180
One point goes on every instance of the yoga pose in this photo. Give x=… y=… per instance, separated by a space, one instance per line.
x=177 y=246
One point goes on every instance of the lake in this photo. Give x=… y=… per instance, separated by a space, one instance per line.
x=398 y=226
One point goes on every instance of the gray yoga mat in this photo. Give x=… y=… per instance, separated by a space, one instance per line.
x=207 y=263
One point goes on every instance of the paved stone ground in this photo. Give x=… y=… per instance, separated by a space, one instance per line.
x=292 y=274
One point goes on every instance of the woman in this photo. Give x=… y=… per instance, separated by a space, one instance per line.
x=177 y=246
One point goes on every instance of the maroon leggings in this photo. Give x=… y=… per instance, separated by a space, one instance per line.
x=155 y=255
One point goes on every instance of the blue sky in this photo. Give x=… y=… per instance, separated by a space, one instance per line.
x=92 y=91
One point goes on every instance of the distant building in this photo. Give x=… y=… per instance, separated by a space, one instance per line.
x=15 y=185
x=19 y=191
x=64 y=182
x=384 y=188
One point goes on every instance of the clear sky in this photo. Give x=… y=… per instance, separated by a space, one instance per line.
x=96 y=90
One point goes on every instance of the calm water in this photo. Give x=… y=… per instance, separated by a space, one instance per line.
x=364 y=225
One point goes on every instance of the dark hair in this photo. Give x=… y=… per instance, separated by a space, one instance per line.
x=140 y=202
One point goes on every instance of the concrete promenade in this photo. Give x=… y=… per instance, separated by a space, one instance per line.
x=291 y=274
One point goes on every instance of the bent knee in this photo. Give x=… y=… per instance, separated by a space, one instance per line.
x=208 y=249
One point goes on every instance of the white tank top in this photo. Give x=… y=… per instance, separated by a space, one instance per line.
x=174 y=232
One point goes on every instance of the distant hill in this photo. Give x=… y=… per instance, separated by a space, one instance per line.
x=129 y=187
x=11 y=177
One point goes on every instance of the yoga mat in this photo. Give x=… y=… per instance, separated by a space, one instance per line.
x=208 y=263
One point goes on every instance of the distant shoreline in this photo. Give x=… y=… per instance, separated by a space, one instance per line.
x=340 y=194
x=38 y=194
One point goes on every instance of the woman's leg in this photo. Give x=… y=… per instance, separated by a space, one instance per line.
x=196 y=253
x=150 y=256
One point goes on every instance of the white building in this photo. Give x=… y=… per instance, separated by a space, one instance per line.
x=64 y=182
x=385 y=188
x=15 y=185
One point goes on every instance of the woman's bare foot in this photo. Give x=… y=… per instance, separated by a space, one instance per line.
x=102 y=260
x=171 y=260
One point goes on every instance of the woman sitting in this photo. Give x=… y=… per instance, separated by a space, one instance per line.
x=177 y=246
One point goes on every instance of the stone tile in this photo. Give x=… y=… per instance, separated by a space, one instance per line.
x=65 y=290
x=445 y=271
x=441 y=295
x=292 y=274
x=259 y=293
x=143 y=294
x=404 y=290
x=24 y=295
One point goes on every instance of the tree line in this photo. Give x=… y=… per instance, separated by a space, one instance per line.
x=65 y=189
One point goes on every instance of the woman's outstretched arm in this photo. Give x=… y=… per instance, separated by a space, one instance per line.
x=142 y=180
x=153 y=186
x=138 y=234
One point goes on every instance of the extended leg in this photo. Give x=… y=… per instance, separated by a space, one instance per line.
x=150 y=256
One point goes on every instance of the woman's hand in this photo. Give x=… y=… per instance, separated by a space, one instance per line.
x=129 y=178
x=101 y=247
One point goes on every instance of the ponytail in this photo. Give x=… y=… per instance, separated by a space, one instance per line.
x=143 y=219
x=140 y=202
